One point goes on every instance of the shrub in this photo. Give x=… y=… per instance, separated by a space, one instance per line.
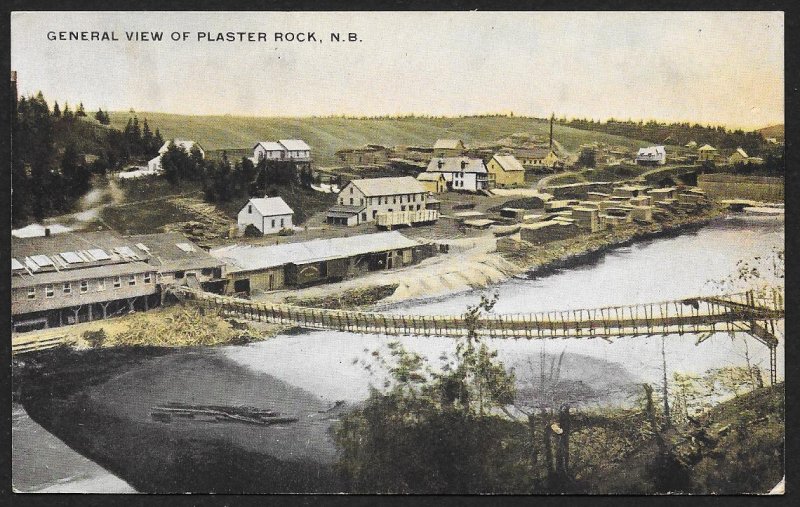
x=95 y=339
x=251 y=231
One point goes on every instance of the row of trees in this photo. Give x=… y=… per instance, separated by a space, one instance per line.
x=49 y=166
x=676 y=133
x=224 y=180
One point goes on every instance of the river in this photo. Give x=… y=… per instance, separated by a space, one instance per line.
x=651 y=271
x=304 y=374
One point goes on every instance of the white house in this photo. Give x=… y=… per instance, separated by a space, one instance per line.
x=268 y=214
x=362 y=200
x=285 y=149
x=652 y=155
x=462 y=173
x=154 y=165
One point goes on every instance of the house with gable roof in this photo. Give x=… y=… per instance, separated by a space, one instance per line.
x=267 y=214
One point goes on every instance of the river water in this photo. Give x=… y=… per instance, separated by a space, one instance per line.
x=652 y=271
x=305 y=373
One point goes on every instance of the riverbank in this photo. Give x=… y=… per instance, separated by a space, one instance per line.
x=477 y=263
x=100 y=402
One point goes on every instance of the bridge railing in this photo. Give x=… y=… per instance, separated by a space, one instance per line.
x=695 y=315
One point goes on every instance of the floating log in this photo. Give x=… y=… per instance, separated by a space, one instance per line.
x=245 y=414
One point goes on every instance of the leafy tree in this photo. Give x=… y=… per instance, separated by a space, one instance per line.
x=587 y=158
x=436 y=430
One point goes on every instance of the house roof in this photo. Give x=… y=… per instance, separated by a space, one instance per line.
x=33 y=230
x=651 y=151
x=388 y=186
x=180 y=143
x=270 y=206
x=534 y=152
x=448 y=144
x=74 y=256
x=295 y=144
x=243 y=258
x=706 y=147
x=432 y=176
x=270 y=146
x=508 y=162
x=741 y=152
x=453 y=165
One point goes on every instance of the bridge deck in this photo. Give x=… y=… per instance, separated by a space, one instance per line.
x=695 y=315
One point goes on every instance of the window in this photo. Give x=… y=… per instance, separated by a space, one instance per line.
x=351 y=190
x=403 y=207
x=148 y=278
x=84 y=286
x=132 y=280
x=67 y=288
x=49 y=291
x=282 y=222
x=249 y=208
x=273 y=223
x=117 y=282
x=351 y=201
x=31 y=292
x=101 y=284
x=394 y=200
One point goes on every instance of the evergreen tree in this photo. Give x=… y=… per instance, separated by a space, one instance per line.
x=80 y=112
x=56 y=110
x=102 y=117
x=147 y=139
x=67 y=112
x=158 y=141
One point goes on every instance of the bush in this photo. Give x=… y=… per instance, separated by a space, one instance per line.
x=286 y=232
x=95 y=339
x=251 y=231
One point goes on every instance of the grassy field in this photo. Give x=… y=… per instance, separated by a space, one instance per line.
x=327 y=135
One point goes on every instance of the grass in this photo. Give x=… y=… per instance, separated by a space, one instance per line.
x=144 y=219
x=327 y=135
x=615 y=173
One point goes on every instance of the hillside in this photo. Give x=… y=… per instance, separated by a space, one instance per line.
x=327 y=135
x=776 y=131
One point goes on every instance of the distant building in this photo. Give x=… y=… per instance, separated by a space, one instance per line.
x=284 y=150
x=706 y=153
x=738 y=157
x=268 y=214
x=432 y=182
x=691 y=144
x=462 y=173
x=82 y=276
x=371 y=154
x=507 y=171
x=537 y=158
x=154 y=165
x=652 y=155
x=361 y=201
x=448 y=148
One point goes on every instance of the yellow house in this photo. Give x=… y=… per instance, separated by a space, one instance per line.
x=537 y=158
x=706 y=153
x=434 y=183
x=507 y=171
x=738 y=157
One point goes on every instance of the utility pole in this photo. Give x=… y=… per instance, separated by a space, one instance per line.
x=552 y=118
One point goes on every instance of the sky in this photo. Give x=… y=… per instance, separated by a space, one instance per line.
x=706 y=67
